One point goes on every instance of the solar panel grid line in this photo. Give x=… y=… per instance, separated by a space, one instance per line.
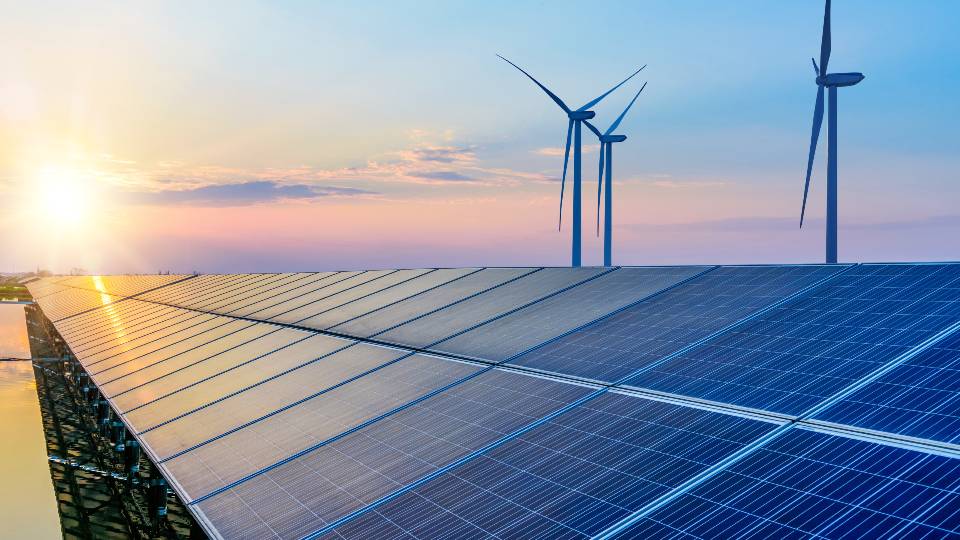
x=218 y=338
x=264 y=312
x=518 y=308
x=87 y=310
x=825 y=486
x=121 y=299
x=262 y=280
x=335 y=286
x=214 y=324
x=107 y=343
x=373 y=277
x=411 y=278
x=445 y=472
x=106 y=325
x=615 y=529
x=204 y=379
x=289 y=406
x=204 y=320
x=886 y=438
x=104 y=328
x=195 y=287
x=200 y=283
x=589 y=323
x=343 y=433
x=223 y=305
x=459 y=301
x=226 y=285
x=151 y=289
x=407 y=298
x=289 y=288
x=83 y=327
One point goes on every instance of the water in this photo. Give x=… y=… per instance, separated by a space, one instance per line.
x=27 y=504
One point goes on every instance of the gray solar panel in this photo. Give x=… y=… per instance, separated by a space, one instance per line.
x=517 y=332
x=455 y=318
x=428 y=301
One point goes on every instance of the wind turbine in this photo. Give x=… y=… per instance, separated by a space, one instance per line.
x=606 y=152
x=575 y=119
x=831 y=81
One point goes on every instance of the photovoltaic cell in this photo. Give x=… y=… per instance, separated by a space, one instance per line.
x=264 y=298
x=229 y=303
x=385 y=297
x=178 y=373
x=302 y=495
x=390 y=316
x=633 y=338
x=811 y=485
x=569 y=478
x=163 y=350
x=793 y=357
x=272 y=302
x=517 y=332
x=302 y=315
x=300 y=427
x=194 y=356
x=344 y=282
x=455 y=318
x=920 y=398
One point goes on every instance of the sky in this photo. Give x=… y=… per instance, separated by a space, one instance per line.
x=282 y=136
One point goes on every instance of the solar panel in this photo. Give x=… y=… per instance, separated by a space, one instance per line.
x=143 y=375
x=160 y=350
x=269 y=303
x=428 y=301
x=806 y=484
x=386 y=455
x=458 y=317
x=793 y=357
x=517 y=332
x=303 y=314
x=571 y=477
x=202 y=395
x=309 y=408
x=920 y=398
x=633 y=338
x=180 y=373
x=385 y=297
x=269 y=430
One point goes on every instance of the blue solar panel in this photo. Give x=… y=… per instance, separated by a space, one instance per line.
x=386 y=455
x=620 y=344
x=517 y=332
x=806 y=484
x=920 y=398
x=571 y=477
x=794 y=356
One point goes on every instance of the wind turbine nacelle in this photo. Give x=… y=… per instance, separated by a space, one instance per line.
x=612 y=138
x=836 y=80
x=581 y=115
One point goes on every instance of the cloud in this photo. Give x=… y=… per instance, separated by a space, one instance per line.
x=439 y=154
x=557 y=151
x=443 y=176
x=242 y=194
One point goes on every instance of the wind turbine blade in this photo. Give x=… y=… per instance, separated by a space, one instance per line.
x=593 y=128
x=563 y=179
x=553 y=96
x=605 y=94
x=603 y=146
x=814 y=135
x=619 y=119
x=816 y=69
x=825 y=40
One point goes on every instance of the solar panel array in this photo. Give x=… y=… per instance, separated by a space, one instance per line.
x=708 y=402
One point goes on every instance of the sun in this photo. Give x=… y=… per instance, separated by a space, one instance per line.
x=63 y=196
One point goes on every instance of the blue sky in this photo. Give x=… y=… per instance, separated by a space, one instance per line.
x=237 y=110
